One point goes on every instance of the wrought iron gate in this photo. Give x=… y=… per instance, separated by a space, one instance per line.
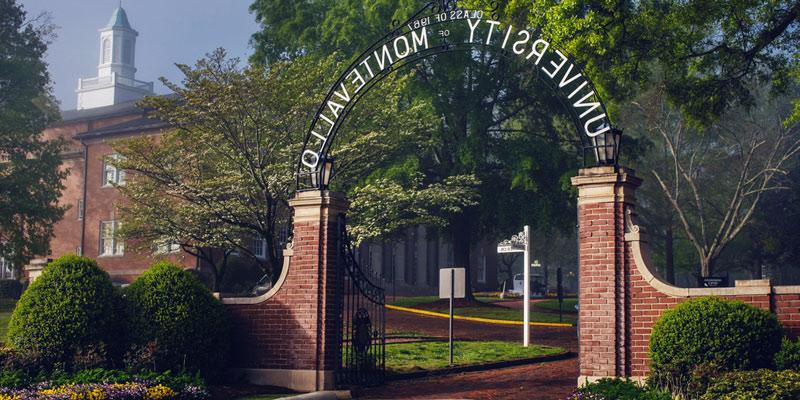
x=363 y=320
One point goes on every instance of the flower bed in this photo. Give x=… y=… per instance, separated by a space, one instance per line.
x=106 y=391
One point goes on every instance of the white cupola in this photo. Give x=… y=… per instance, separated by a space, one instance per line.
x=117 y=46
x=116 y=71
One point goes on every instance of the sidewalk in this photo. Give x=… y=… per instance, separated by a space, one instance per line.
x=546 y=381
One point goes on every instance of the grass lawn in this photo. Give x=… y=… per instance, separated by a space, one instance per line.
x=410 y=357
x=411 y=302
x=6 y=307
x=508 y=314
x=402 y=333
x=552 y=305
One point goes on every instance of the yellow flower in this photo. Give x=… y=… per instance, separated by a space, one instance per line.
x=159 y=392
x=95 y=394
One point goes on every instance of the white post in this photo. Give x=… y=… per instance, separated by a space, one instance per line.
x=526 y=288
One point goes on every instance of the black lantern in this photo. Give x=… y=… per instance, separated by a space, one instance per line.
x=605 y=146
x=321 y=178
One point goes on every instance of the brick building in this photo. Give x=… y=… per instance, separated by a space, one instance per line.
x=106 y=111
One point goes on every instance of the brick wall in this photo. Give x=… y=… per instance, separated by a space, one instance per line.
x=296 y=327
x=620 y=297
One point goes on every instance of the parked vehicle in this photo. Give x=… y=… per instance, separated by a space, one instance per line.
x=537 y=288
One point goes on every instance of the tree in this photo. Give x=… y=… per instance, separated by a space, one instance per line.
x=223 y=174
x=718 y=178
x=708 y=52
x=30 y=174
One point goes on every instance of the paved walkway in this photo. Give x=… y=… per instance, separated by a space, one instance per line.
x=551 y=380
x=554 y=380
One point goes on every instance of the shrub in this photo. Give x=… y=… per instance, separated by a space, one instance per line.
x=618 y=389
x=789 y=355
x=172 y=311
x=70 y=307
x=762 y=384
x=10 y=289
x=726 y=335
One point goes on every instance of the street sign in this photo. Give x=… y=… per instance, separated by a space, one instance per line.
x=713 y=281
x=508 y=248
x=521 y=243
x=459 y=281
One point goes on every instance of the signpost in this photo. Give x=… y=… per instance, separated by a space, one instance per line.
x=521 y=243
x=560 y=294
x=452 y=285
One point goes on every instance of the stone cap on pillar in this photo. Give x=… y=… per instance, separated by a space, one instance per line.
x=316 y=205
x=606 y=184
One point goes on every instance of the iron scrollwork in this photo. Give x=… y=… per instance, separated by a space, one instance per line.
x=518 y=240
x=362 y=331
x=363 y=317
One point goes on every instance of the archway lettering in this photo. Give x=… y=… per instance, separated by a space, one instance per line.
x=437 y=29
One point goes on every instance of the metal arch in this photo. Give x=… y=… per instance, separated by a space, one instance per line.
x=400 y=29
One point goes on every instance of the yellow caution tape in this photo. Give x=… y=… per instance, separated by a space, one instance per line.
x=478 y=319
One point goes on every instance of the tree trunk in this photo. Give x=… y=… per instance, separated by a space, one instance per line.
x=461 y=246
x=758 y=268
x=706 y=267
x=670 y=255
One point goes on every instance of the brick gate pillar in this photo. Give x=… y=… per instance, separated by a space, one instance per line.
x=604 y=193
x=290 y=336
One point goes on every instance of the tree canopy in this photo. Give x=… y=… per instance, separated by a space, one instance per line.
x=30 y=174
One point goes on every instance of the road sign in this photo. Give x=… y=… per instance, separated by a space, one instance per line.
x=459 y=281
x=510 y=248
x=452 y=285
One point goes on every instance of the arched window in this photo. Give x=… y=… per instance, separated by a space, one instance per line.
x=127 y=52
x=106 y=51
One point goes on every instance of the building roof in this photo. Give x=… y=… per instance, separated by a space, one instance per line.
x=134 y=126
x=119 y=19
x=89 y=114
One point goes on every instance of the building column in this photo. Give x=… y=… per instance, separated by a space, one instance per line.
x=604 y=194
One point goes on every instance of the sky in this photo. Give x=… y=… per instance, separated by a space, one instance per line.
x=170 y=31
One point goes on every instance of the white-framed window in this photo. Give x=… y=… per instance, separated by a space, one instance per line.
x=106 y=51
x=80 y=210
x=258 y=246
x=112 y=175
x=482 y=267
x=6 y=272
x=168 y=248
x=110 y=243
x=6 y=268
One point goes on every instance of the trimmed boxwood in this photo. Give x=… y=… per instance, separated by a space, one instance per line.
x=71 y=307
x=762 y=385
x=789 y=355
x=171 y=310
x=724 y=334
